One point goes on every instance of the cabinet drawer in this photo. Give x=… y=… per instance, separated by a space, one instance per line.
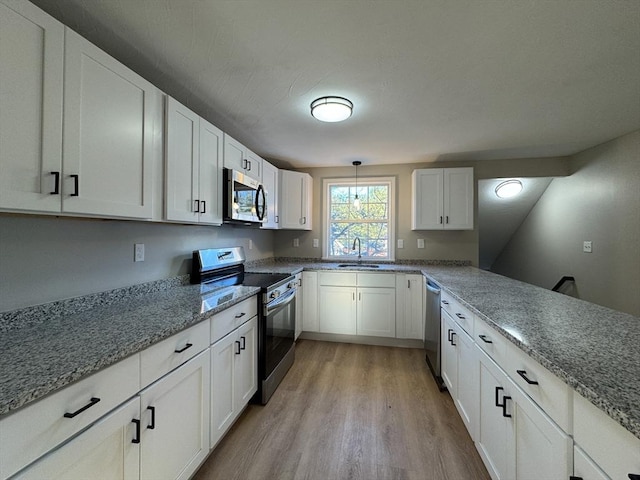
x=489 y=340
x=614 y=449
x=377 y=280
x=172 y=352
x=231 y=318
x=550 y=393
x=31 y=432
x=460 y=314
x=338 y=279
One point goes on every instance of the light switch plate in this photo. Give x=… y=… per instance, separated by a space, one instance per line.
x=316 y=243
x=296 y=242
x=421 y=243
x=400 y=243
x=587 y=246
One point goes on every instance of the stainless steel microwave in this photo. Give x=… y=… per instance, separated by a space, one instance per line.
x=245 y=200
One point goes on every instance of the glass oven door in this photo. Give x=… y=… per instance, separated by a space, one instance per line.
x=280 y=329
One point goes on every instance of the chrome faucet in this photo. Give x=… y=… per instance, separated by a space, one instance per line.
x=357 y=239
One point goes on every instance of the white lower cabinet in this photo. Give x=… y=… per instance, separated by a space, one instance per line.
x=376 y=312
x=584 y=468
x=337 y=309
x=460 y=371
x=110 y=449
x=515 y=438
x=410 y=305
x=310 y=309
x=175 y=421
x=234 y=376
x=299 y=306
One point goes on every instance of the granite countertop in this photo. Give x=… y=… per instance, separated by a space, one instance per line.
x=50 y=346
x=591 y=348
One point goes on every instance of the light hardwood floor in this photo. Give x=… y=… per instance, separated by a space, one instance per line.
x=348 y=411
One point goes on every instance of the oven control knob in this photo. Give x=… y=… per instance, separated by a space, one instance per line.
x=275 y=294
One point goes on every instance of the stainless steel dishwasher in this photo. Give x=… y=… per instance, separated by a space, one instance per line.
x=432 y=333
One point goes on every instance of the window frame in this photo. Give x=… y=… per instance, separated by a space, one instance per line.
x=362 y=181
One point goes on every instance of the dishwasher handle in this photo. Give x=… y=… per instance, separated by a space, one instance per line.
x=433 y=288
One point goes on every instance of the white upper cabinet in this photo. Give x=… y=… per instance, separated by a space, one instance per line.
x=295 y=193
x=270 y=183
x=240 y=158
x=110 y=114
x=31 y=69
x=442 y=199
x=193 y=190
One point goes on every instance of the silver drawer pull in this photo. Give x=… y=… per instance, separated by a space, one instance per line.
x=523 y=374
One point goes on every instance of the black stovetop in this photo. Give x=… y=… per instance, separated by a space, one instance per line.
x=264 y=280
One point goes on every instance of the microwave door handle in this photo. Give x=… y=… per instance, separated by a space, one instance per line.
x=260 y=207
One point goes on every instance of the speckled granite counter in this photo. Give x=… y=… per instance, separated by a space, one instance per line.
x=47 y=347
x=594 y=349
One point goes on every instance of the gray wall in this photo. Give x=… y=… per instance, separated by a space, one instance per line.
x=43 y=259
x=439 y=245
x=599 y=201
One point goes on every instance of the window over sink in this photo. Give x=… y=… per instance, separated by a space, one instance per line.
x=372 y=222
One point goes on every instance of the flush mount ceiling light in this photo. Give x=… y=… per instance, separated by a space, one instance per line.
x=509 y=188
x=331 y=109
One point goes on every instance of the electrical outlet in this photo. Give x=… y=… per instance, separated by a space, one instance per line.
x=250 y=244
x=296 y=242
x=587 y=246
x=421 y=243
x=316 y=243
x=138 y=252
x=400 y=243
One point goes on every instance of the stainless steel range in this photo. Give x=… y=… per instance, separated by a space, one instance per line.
x=217 y=268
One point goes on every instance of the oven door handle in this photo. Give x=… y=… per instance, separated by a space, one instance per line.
x=281 y=301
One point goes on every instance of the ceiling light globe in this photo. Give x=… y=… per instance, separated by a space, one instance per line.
x=331 y=109
x=509 y=189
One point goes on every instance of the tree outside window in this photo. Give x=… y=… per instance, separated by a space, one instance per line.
x=371 y=223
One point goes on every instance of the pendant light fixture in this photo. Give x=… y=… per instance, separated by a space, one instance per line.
x=356 y=200
x=331 y=109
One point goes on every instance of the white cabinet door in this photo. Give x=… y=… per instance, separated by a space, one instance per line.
x=270 y=184
x=496 y=428
x=294 y=203
x=240 y=158
x=299 y=305
x=210 y=174
x=543 y=450
x=222 y=386
x=246 y=364
x=376 y=312
x=310 y=321
x=466 y=400
x=31 y=75
x=182 y=135
x=458 y=198
x=110 y=114
x=337 y=310
x=175 y=421
x=193 y=190
x=442 y=199
x=584 y=468
x=410 y=298
x=427 y=207
x=110 y=449
x=449 y=354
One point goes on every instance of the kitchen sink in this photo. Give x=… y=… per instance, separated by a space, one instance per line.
x=357 y=265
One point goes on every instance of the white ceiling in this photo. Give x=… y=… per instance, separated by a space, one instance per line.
x=457 y=79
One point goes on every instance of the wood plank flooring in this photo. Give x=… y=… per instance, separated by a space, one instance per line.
x=347 y=411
